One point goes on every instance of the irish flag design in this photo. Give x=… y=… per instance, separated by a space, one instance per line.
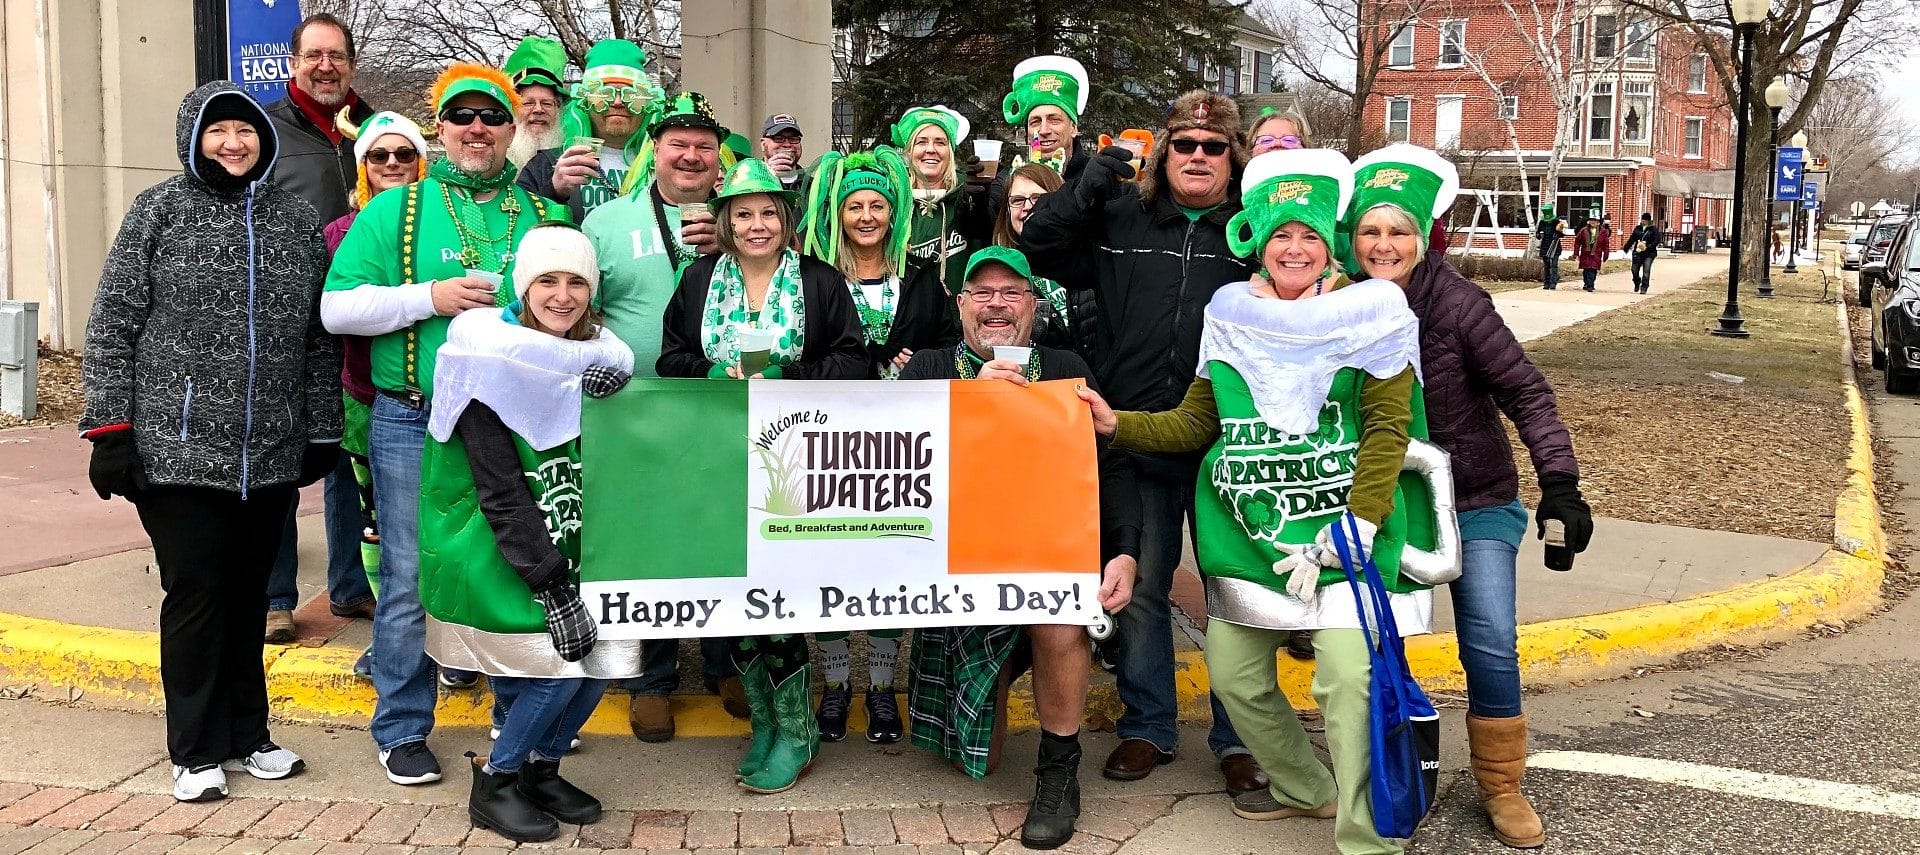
x=752 y=508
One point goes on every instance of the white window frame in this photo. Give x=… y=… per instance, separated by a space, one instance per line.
x=1693 y=137
x=1247 y=83
x=1641 y=90
x=1611 y=40
x=1509 y=108
x=1639 y=49
x=1453 y=33
x=1697 y=74
x=1406 y=121
x=1394 y=46
x=1593 y=116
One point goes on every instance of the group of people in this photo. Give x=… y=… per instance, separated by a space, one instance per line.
x=421 y=332
x=1592 y=244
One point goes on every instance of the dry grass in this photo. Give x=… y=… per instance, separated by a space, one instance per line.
x=61 y=397
x=1661 y=441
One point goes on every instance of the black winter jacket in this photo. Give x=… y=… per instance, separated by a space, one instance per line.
x=310 y=165
x=1153 y=273
x=831 y=348
x=1472 y=370
x=923 y=317
x=205 y=333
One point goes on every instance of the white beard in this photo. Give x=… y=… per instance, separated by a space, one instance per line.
x=526 y=144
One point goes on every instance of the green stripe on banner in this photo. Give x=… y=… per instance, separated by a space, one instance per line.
x=664 y=472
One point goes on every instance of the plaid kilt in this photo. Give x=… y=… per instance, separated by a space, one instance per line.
x=951 y=691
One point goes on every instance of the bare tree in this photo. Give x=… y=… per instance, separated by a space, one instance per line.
x=1342 y=45
x=1862 y=131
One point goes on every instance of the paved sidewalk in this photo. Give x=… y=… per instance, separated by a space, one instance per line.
x=1535 y=312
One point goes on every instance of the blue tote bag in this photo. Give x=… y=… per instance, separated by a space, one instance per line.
x=1403 y=727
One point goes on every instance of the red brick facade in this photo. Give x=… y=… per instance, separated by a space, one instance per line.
x=1653 y=134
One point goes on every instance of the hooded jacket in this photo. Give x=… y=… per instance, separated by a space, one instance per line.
x=205 y=334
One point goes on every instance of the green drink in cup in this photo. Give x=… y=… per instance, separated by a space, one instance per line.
x=756 y=350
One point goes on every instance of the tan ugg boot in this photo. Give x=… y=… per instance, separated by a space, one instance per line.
x=1499 y=748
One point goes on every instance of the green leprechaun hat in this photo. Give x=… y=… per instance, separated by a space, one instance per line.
x=686 y=110
x=538 y=60
x=1414 y=179
x=614 y=69
x=955 y=125
x=1308 y=185
x=1041 y=80
x=752 y=176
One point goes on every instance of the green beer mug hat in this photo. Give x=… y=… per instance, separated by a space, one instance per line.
x=1308 y=185
x=1041 y=80
x=955 y=125
x=1414 y=179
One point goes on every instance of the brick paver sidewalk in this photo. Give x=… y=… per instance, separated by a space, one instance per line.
x=67 y=821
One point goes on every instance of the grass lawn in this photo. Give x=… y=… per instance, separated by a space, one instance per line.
x=1661 y=441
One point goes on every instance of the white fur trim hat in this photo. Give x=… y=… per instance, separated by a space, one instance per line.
x=381 y=124
x=554 y=249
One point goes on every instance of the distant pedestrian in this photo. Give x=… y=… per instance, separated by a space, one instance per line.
x=1644 y=243
x=1546 y=239
x=1591 y=246
x=212 y=395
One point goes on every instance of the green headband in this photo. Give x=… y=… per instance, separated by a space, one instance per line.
x=1310 y=199
x=838 y=176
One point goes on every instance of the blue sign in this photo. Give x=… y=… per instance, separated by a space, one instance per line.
x=260 y=47
x=1809 y=203
x=1810 y=190
x=1788 y=172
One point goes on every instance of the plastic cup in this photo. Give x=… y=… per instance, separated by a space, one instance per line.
x=1016 y=355
x=691 y=209
x=989 y=153
x=592 y=143
x=756 y=349
x=488 y=276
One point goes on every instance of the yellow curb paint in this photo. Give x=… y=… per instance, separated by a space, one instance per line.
x=315 y=684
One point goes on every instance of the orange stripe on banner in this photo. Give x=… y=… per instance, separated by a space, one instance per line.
x=1026 y=490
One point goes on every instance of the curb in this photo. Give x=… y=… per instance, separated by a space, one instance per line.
x=315 y=684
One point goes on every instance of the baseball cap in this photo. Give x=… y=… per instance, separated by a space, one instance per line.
x=779 y=122
x=1012 y=258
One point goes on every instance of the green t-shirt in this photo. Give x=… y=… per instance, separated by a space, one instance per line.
x=637 y=271
x=371 y=254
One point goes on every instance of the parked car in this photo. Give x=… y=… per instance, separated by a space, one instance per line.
x=1879 y=238
x=1895 y=337
x=1851 y=251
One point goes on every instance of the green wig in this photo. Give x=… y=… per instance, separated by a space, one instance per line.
x=837 y=176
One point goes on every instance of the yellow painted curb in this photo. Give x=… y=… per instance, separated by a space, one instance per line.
x=315 y=684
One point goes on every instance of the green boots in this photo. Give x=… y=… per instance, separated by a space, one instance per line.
x=795 y=735
x=759 y=691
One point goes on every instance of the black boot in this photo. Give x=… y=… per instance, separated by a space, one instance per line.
x=1056 y=793
x=541 y=783
x=498 y=805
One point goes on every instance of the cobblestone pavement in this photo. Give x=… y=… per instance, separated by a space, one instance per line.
x=68 y=821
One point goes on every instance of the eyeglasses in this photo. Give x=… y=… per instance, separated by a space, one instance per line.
x=315 y=57
x=1213 y=148
x=1024 y=202
x=402 y=156
x=600 y=98
x=492 y=117
x=1283 y=141
x=986 y=295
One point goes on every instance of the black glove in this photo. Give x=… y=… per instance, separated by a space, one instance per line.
x=115 y=466
x=318 y=461
x=599 y=381
x=573 y=633
x=976 y=172
x=1101 y=178
x=1560 y=500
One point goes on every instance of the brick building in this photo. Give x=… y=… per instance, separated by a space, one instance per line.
x=1653 y=133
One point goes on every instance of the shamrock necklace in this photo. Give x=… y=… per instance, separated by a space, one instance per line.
x=471 y=234
x=964 y=366
x=876 y=324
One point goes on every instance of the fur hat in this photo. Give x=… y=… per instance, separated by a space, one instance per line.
x=554 y=248
x=1205 y=110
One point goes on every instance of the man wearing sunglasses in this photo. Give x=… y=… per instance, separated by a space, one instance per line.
x=601 y=128
x=416 y=256
x=1158 y=256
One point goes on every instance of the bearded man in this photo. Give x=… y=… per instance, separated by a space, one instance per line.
x=536 y=68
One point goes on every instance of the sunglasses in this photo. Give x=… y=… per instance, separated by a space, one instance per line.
x=1213 y=148
x=402 y=156
x=492 y=117
x=1267 y=141
x=601 y=98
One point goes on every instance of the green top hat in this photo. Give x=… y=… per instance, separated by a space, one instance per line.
x=537 y=60
x=1043 y=80
x=690 y=110
x=752 y=176
x=1306 y=185
x=955 y=125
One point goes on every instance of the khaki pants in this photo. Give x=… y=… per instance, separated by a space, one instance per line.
x=1240 y=661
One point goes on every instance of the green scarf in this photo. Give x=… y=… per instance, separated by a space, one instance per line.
x=784 y=313
x=1055 y=296
x=479 y=249
x=444 y=170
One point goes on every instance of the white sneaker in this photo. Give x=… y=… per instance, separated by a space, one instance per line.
x=199 y=784
x=269 y=762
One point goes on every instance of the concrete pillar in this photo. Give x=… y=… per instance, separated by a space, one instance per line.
x=753 y=58
x=87 y=104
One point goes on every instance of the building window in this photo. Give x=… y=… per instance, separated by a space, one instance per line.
x=1640 y=39
x=1635 y=109
x=1696 y=128
x=1262 y=71
x=1193 y=60
x=1697 y=74
x=1579 y=39
x=1600 y=113
x=1605 y=29
x=1509 y=107
x=1399 y=119
x=1453 y=41
x=1247 y=81
x=1400 y=50
x=1581 y=198
x=1230 y=79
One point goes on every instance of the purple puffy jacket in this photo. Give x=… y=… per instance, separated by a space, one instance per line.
x=1473 y=370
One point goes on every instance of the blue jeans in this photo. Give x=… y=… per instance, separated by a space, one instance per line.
x=660 y=665
x=1550 y=271
x=1144 y=629
x=1488 y=631
x=1643 y=272
x=403 y=676
x=1587 y=277
x=545 y=715
x=346 y=576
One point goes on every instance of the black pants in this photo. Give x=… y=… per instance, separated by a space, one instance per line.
x=1642 y=272
x=214 y=552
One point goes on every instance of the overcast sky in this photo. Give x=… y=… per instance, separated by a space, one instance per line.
x=1903 y=80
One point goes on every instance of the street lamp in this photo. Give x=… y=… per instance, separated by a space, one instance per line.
x=1776 y=99
x=1799 y=141
x=1747 y=15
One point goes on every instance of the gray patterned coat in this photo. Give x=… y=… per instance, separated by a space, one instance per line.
x=205 y=333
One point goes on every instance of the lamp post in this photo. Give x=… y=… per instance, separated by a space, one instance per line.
x=1776 y=94
x=1747 y=15
x=1799 y=141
